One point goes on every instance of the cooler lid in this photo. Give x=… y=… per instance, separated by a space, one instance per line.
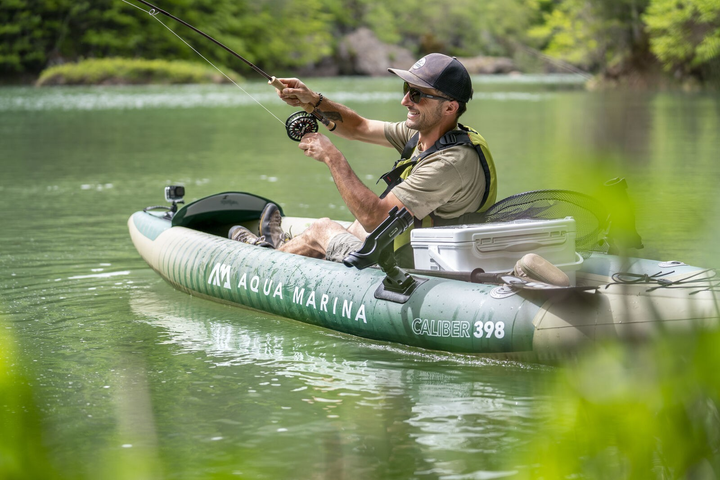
x=473 y=233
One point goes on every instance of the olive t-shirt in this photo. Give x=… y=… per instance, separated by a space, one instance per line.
x=449 y=182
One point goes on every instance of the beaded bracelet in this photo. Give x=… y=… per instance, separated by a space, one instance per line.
x=319 y=101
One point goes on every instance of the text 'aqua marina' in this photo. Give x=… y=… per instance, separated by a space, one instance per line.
x=221 y=276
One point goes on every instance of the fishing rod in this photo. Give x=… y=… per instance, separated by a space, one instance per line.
x=297 y=125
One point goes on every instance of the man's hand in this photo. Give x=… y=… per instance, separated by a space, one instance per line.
x=319 y=147
x=363 y=203
x=296 y=93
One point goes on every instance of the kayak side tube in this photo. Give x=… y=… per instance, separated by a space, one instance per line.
x=441 y=314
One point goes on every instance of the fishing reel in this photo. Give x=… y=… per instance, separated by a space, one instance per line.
x=300 y=123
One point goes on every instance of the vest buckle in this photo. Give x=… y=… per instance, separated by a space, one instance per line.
x=448 y=139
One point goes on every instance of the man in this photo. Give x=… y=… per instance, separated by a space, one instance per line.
x=437 y=180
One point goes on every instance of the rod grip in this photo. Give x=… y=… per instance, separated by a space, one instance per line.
x=310 y=109
x=276 y=83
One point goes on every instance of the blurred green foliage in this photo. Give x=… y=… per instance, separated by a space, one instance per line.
x=685 y=35
x=634 y=412
x=617 y=37
x=593 y=34
x=35 y=34
x=275 y=34
x=460 y=27
x=116 y=71
x=612 y=37
x=22 y=453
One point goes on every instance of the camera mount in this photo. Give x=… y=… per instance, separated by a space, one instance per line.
x=174 y=194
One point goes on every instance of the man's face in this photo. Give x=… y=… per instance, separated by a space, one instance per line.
x=426 y=113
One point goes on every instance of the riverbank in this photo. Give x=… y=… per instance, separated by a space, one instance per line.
x=125 y=71
x=122 y=71
x=362 y=55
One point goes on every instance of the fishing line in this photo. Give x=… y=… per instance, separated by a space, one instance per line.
x=296 y=126
x=153 y=13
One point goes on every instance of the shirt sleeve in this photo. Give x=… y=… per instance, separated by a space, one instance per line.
x=398 y=134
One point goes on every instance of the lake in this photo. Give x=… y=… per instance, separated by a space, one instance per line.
x=132 y=379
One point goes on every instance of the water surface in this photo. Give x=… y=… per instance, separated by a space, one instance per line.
x=124 y=367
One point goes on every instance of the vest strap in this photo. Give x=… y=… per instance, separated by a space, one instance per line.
x=450 y=139
x=403 y=167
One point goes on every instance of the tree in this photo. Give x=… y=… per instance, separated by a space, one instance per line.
x=605 y=36
x=685 y=34
x=37 y=33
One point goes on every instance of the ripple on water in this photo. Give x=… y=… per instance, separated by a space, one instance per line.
x=135 y=98
x=195 y=96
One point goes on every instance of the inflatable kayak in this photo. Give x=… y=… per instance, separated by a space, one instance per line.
x=444 y=305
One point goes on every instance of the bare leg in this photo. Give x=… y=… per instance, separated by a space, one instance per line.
x=313 y=242
x=357 y=230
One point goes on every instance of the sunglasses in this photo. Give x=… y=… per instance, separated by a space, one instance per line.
x=416 y=95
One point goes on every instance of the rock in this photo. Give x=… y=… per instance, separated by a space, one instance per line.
x=488 y=65
x=327 y=67
x=362 y=53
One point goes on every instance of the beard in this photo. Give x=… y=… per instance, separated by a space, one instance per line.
x=424 y=119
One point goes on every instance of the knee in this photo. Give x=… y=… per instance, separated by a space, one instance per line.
x=325 y=224
x=320 y=225
x=322 y=230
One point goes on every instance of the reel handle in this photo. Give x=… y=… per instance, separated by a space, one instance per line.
x=305 y=106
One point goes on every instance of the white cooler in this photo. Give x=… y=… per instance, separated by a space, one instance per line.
x=496 y=247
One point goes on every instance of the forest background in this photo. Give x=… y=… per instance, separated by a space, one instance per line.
x=636 y=42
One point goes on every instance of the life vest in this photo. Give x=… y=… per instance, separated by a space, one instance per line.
x=403 y=168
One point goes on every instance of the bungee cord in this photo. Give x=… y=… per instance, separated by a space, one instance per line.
x=700 y=281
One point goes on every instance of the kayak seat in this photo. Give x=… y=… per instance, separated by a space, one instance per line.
x=217 y=213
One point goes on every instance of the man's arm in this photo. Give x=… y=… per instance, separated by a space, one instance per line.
x=363 y=203
x=348 y=123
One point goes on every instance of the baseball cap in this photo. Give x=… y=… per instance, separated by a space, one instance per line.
x=443 y=73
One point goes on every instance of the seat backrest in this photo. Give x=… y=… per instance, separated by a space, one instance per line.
x=220 y=209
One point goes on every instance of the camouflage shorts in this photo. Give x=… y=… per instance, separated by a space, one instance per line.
x=341 y=245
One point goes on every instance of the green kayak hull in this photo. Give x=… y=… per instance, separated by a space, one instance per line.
x=441 y=314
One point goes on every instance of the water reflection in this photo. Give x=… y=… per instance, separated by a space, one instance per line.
x=235 y=392
x=421 y=408
x=228 y=96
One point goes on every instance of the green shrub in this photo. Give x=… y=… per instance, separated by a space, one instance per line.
x=685 y=35
x=634 y=412
x=22 y=452
x=122 y=71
